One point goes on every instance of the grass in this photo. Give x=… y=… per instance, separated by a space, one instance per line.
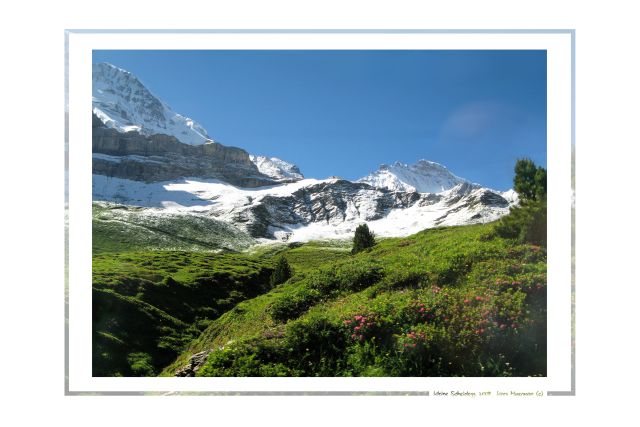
x=456 y=301
x=155 y=303
x=120 y=228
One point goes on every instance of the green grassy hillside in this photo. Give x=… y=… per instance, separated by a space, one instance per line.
x=147 y=306
x=118 y=228
x=456 y=301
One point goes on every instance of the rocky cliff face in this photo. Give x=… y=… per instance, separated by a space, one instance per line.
x=137 y=136
x=161 y=157
x=342 y=205
x=329 y=203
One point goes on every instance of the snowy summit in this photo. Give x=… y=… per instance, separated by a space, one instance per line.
x=276 y=168
x=123 y=103
x=422 y=177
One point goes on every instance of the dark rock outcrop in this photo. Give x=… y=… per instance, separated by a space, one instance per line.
x=328 y=202
x=195 y=363
x=162 y=157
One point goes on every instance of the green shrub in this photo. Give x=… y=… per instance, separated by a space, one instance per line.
x=355 y=277
x=455 y=269
x=292 y=304
x=346 y=278
x=282 y=273
x=526 y=223
x=141 y=364
x=253 y=358
x=316 y=347
x=404 y=279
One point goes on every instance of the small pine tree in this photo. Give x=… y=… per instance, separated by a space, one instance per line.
x=528 y=221
x=282 y=273
x=362 y=239
x=530 y=181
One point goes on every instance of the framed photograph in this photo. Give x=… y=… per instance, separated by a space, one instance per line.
x=320 y=212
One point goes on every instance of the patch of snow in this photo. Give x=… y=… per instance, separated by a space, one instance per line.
x=511 y=196
x=189 y=194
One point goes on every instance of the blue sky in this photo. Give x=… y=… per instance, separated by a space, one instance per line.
x=346 y=112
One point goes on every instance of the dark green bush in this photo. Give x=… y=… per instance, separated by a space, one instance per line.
x=316 y=347
x=312 y=347
x=526 y=223
x=282 y=273
x=355 y=277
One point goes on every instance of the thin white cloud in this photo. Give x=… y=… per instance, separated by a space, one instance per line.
x=473 y=120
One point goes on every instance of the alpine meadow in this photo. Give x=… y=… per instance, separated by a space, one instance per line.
x=209 y=260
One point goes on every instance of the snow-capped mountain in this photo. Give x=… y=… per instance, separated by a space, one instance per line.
x=146 y=155
x=424 y=177
x=276 y=168
x=137 y=136
x=123 y=103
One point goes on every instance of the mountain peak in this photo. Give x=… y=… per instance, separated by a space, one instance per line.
x=109 y=66
x=424 y=176
x=123 y=103
x=276 y=168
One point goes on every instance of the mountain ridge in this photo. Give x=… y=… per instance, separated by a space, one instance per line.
x=142 y=159
x=424 y=176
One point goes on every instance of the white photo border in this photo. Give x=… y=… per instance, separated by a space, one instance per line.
x=560 y=48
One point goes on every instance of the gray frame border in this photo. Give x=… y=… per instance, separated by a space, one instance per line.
x=68 y=32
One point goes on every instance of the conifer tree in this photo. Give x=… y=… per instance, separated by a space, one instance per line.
x=362 y=239
x=527 y=222
x=530 y=181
